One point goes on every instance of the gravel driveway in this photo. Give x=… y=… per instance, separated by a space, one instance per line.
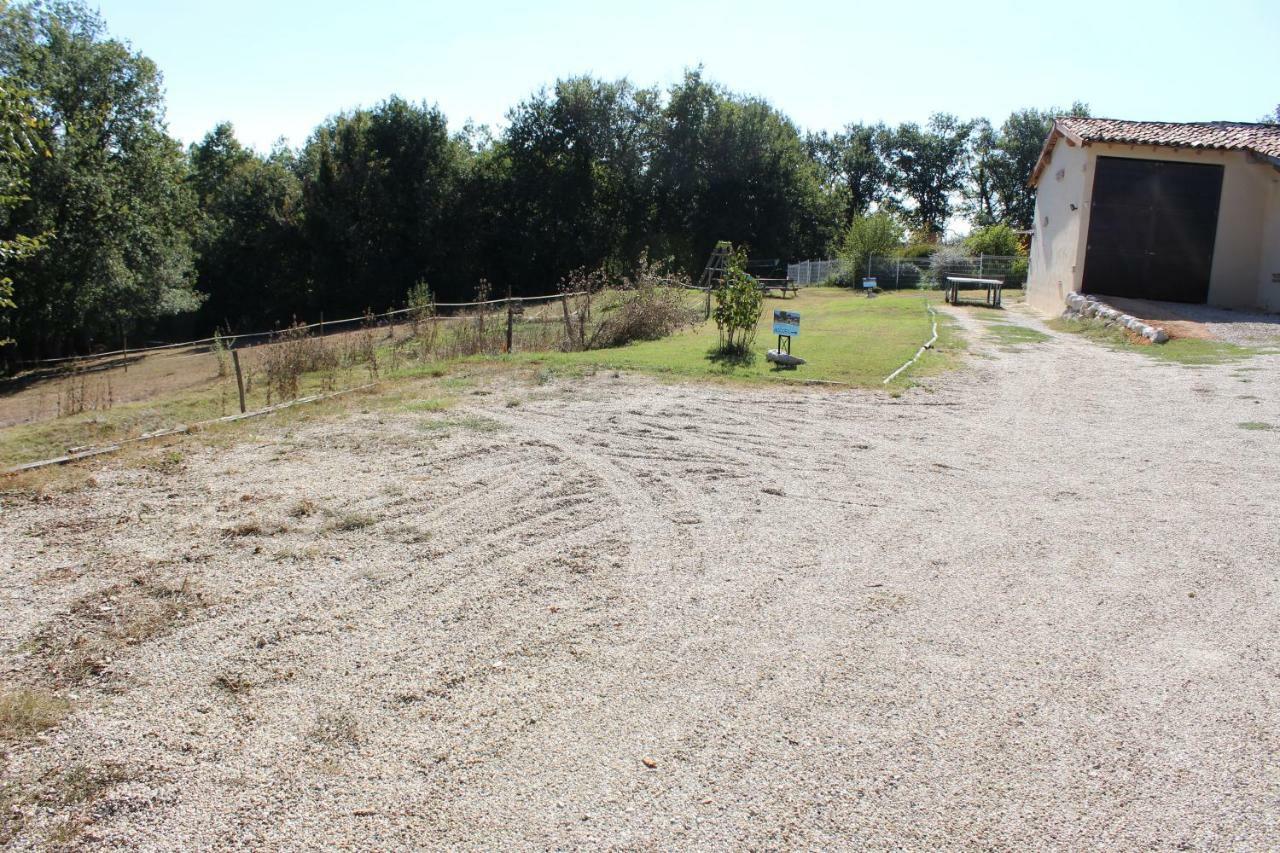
x=1032 y=605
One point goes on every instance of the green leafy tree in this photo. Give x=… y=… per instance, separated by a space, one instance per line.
x=928 y=168
x=739 y=301
x=1009 y=163
x=110 y=193
x=850 y=168
x=997 y=239
x=877 y=234
x=251 y=254
x=727 y=166
x=574 y=194
x=19 y=141
x=377 y=190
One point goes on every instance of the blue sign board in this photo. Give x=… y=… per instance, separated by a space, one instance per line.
x=786 y=322
x=869 y=282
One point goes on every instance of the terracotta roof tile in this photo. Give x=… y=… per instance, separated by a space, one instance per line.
x=1259 y=138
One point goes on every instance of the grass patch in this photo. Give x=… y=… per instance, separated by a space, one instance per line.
x=1259 y=426
x=1193 y=352
x=1011 y=337
x=846 y=338
x=434 y=405
x=27 y=711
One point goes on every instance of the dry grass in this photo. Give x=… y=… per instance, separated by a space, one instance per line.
x=26 y=711
x=81 y=645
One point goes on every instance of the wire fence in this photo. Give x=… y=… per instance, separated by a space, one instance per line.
x=894 y=273
x=218 y=377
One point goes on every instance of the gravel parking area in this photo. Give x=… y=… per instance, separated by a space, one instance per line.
x=1182 y=320
x=1030 y=605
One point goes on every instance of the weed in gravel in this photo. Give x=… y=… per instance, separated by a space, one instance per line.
x=165 y=462
x=82 y=644
x=71 y=788
x=350 y=521
x=1010 y=336
x=431 y=405
x=304 y=508
x=1259 y=426
x=254 y=527
x=26 y=711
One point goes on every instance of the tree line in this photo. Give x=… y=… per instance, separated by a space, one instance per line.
x=129 y=236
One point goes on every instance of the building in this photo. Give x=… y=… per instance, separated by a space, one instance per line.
x=1157 y=210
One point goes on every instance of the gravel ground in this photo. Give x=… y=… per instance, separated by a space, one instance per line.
x=1032 y=605
x=1182 y=320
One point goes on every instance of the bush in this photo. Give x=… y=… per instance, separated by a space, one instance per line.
x=877 y=234
x=994 y=240
x=650 y=305
x=739 y=301
x=917 y=249
x=292 y=353
x=613 y=311
x=948 y=260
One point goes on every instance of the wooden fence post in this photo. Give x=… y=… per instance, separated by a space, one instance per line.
x=568 y=329
x=235 y=359
x=510 y=315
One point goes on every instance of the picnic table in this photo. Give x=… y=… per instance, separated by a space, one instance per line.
x=992 y=286
x=782 y=285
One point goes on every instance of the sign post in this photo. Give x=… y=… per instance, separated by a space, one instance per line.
x=869 y=285
x=785 y=325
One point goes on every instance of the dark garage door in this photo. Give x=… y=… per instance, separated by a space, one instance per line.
x=1151 y=229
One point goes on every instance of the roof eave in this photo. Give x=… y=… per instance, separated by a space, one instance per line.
x=1058 y=131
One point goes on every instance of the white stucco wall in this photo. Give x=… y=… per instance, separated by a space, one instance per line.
x=1057 y=244
x=1246 y=248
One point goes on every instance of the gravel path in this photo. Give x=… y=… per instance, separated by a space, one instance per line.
x=1032 y=605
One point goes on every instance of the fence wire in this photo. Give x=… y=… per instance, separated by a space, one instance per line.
x=893 y=273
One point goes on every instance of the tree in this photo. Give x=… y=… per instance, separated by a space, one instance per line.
x=739 y=301
x=997 y=239
x=980 y=192
x=1272 y=117
x=251 y=258
x=877 y=234
x=1017 y=148
x=728 y=167
x=575 y=194
x=19 y=141
x=110 y=194
x=377 y=185
x=850 y=168
x=928 y=169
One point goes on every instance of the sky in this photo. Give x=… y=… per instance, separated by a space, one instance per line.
x=277 y=68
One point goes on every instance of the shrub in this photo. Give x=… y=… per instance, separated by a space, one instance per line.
x=739 y=301
x=613 y=312
x=877 y=234
x=292 y=353
x=948 y=260
x=994 y=240
x=650 y=305
x=917 y=249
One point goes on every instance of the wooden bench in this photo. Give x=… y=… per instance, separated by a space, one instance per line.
x=782 y=285
x=992 y=285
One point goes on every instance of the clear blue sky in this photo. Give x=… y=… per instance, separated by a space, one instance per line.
x=279 y=67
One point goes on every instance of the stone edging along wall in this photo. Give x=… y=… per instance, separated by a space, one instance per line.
x=1087 y=308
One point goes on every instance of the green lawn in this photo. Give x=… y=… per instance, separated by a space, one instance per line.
x=844 y=336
